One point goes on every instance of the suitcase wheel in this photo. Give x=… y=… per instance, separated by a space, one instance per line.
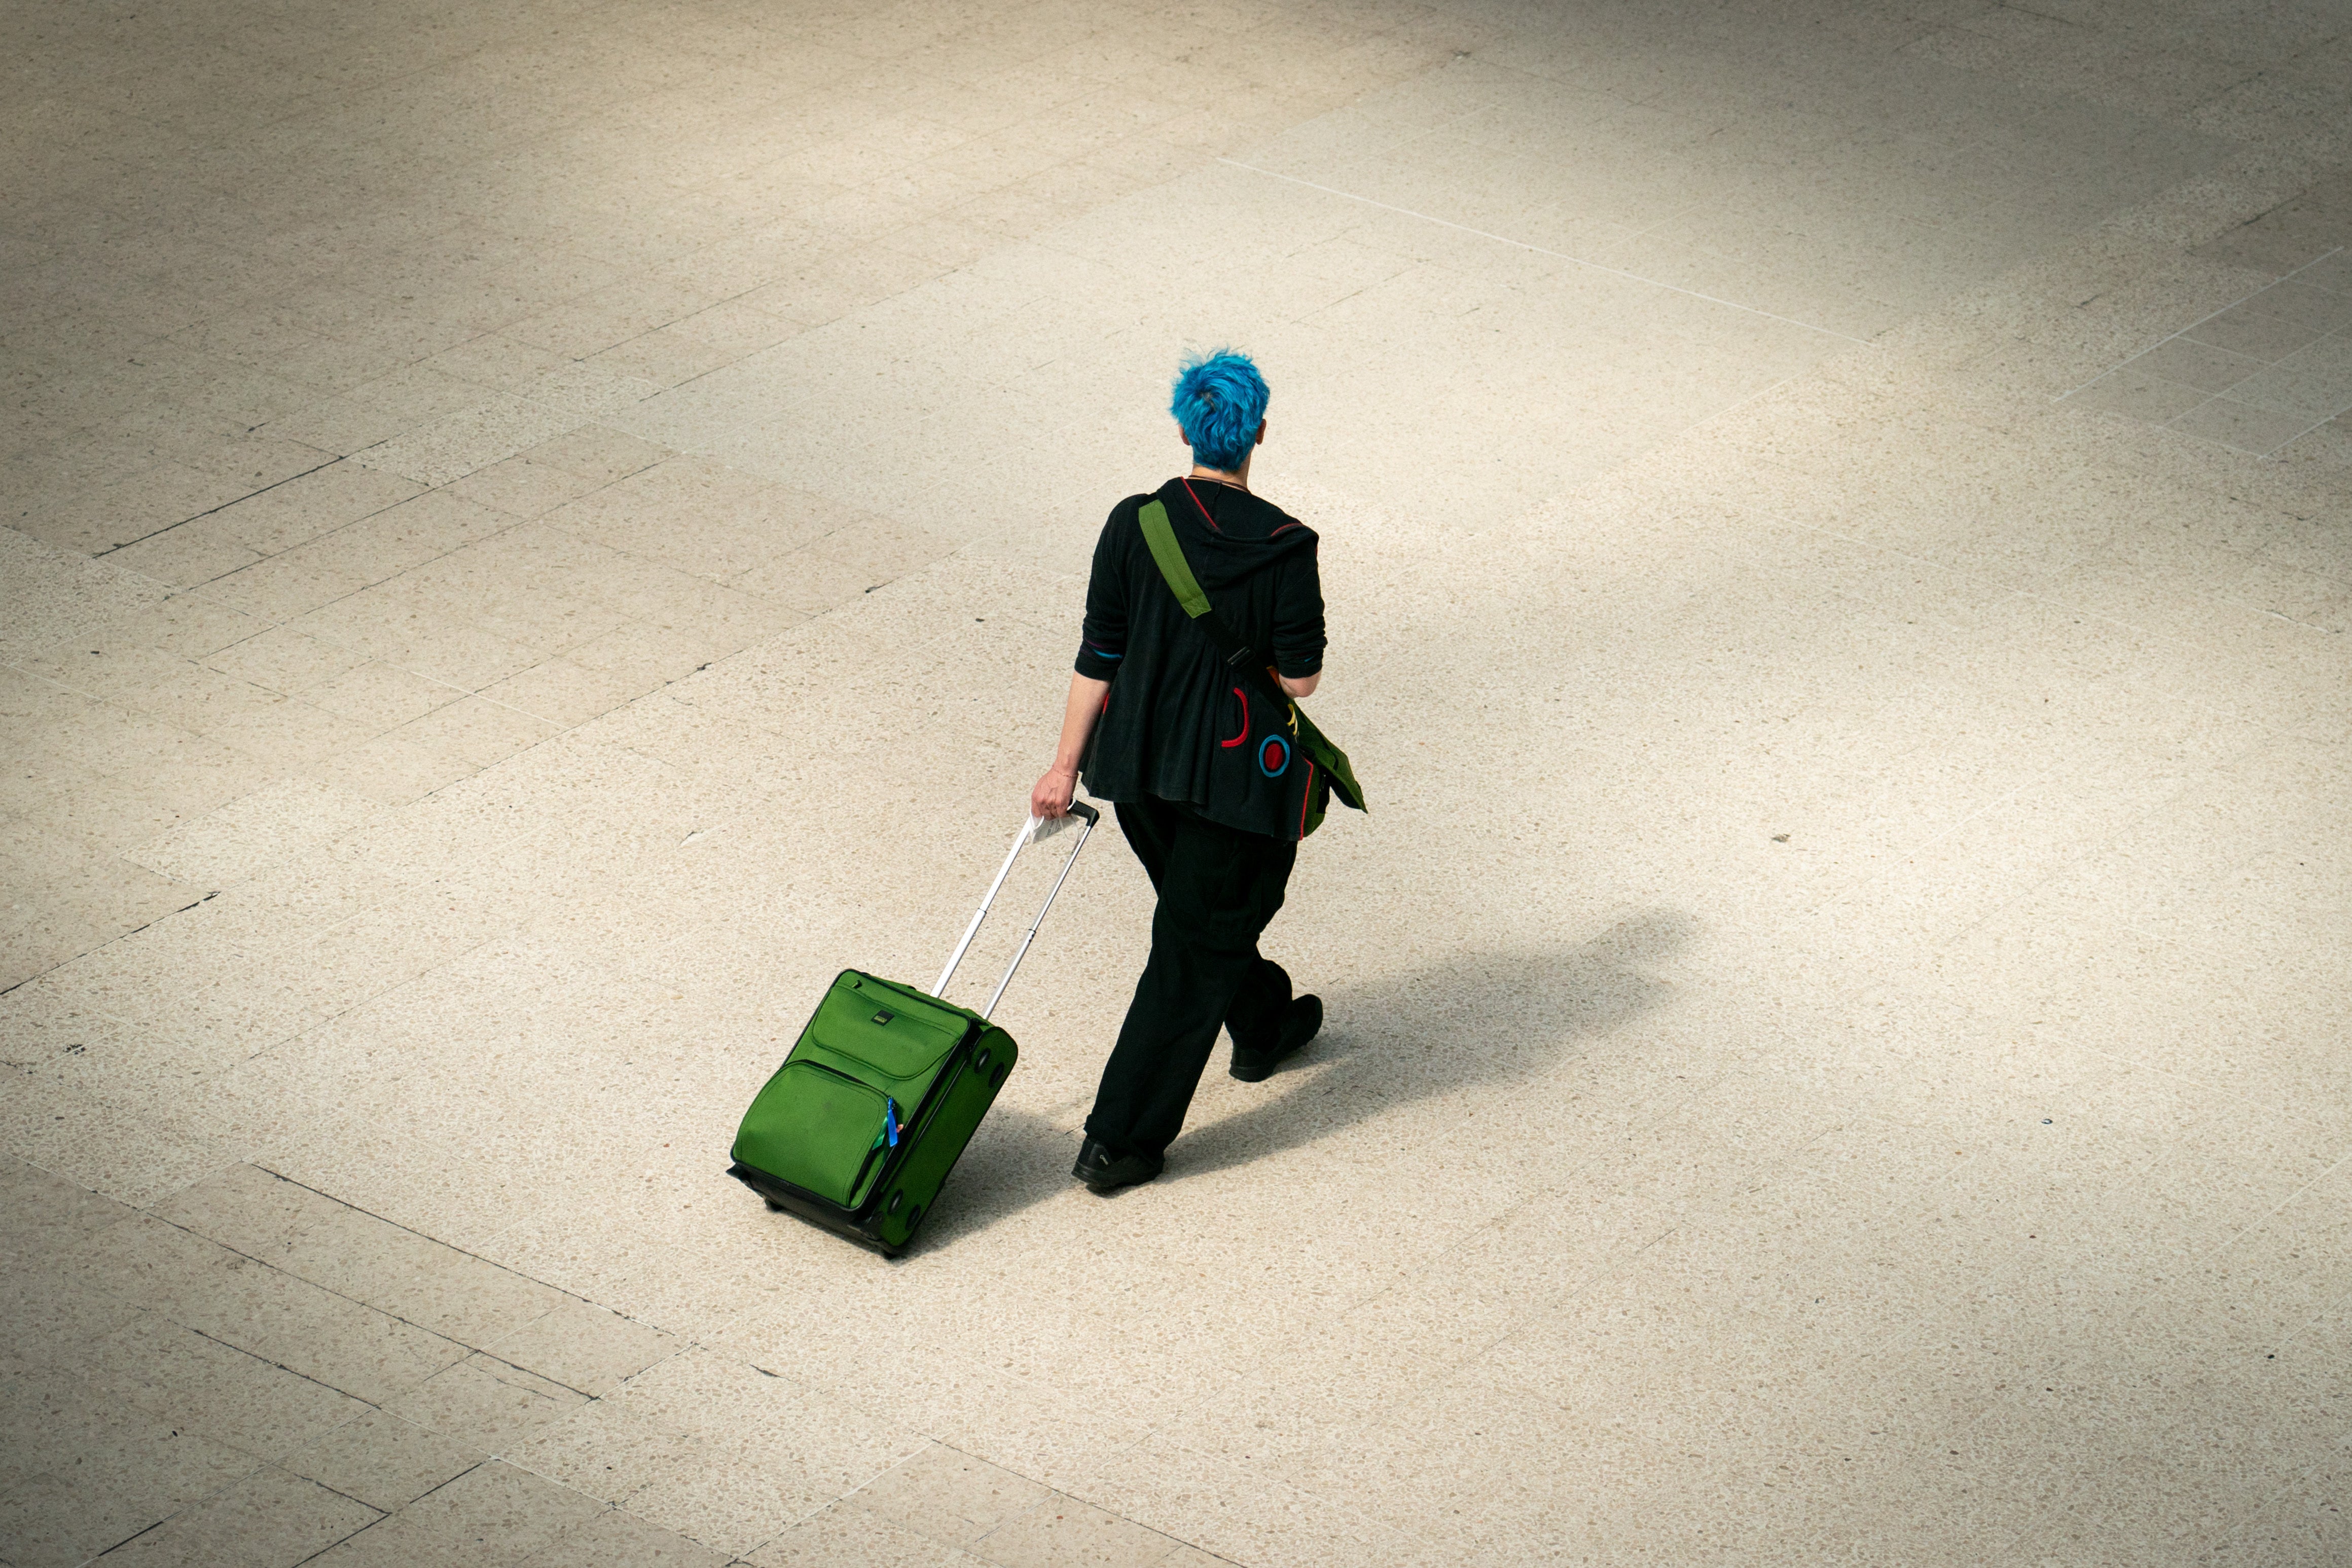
x=896 y=1198
x=775 y=1207
x=982 y=1062
x=998 y=1082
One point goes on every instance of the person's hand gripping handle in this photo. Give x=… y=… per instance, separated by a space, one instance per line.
x=1050 y=796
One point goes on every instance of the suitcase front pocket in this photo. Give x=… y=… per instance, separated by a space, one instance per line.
x=881 y=1034
x=821 y=1131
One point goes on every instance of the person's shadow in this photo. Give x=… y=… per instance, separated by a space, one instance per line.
x=1478 y=1018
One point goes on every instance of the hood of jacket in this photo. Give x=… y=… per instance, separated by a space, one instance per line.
x=1243 y=534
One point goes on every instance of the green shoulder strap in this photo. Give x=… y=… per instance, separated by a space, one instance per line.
x=1162 y=537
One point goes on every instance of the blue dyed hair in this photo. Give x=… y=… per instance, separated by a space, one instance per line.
x=1220 y=401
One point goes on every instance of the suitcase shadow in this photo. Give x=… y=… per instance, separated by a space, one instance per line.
x=1017 y=1159
x=1483 y=1018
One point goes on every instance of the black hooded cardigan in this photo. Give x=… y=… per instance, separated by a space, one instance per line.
x=1171 y=696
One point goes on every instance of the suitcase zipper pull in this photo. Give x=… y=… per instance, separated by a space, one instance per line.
x=889 y=1136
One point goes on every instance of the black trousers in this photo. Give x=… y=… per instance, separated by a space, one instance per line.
x=1218 y=888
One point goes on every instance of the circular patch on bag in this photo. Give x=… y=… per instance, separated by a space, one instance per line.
x=1274 y=757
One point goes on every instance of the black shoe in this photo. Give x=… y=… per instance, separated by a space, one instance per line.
x=1104 y=1171
x=1301 y=1020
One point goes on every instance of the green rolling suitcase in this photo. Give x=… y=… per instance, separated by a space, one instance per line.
x=859 y=1127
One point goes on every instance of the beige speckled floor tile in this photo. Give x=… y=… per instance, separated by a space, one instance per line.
x=566 y=692
x=44 y=1212
x=1230 y=1510
x=584 y=1347
x=269 y=1518
x=485 y=1403
x=86 y=1139
x=493 y=1513
x=950 y=1496
x=1832 y=529
x=381 y=1460
x=1061 y=1531
x=204 y=1385
x=618 y=1539
x=847 y=1536
x=413 y=1277
x=285 y=660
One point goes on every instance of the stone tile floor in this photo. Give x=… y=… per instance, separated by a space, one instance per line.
x=537 y=534
x=2258 y=375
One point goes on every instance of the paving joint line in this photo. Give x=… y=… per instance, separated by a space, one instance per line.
x=2221 y=310
x=224 y=506
x=386 y=1312
x=2211 y=398
x=2280 y=1207
x=2333 y=1307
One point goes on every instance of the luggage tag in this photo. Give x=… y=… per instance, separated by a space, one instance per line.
x=888 y=1135
x=1044 y=828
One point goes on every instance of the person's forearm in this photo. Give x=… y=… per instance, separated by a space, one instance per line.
x=1078 y=715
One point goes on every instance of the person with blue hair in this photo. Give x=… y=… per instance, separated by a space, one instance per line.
x=1193 y=750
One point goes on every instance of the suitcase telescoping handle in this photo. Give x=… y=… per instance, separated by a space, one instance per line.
x=1032 y=831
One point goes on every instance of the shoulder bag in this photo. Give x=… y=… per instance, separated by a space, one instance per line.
x=1323 y=767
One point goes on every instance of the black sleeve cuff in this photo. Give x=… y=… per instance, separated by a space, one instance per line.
x=1095 y=666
